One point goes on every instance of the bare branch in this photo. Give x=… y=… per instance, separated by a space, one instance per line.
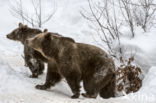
x=35 y=19
x=105 y=23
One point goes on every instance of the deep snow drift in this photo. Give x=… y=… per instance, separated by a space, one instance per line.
x=17 y=87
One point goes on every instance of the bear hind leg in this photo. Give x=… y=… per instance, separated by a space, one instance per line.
x=91 y=87
x=108 y=90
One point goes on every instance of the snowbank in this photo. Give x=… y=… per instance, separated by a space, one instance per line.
x=17 y=87
x=147 y=93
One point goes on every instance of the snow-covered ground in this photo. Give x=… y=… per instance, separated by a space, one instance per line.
x=17 y=87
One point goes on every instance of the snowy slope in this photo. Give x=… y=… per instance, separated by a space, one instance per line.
x=17 y=87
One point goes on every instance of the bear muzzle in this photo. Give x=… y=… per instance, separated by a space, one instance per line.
x=9 y=36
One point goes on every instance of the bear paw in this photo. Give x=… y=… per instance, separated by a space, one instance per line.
x=33 y=76
x=75 y=96
x=41 y=87
x=88 y=95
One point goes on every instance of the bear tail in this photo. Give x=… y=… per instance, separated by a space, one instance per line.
x=108 y=90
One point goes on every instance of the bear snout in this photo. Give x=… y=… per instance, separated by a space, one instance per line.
x=8 y=36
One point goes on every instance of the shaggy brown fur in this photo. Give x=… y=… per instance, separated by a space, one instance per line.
x=76 y=62
x=109 y=90
x=33 y=59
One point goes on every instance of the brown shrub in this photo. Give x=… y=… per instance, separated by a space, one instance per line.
x=127 y=76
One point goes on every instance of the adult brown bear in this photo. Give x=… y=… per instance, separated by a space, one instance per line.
x=76 y=62
x=33 y=59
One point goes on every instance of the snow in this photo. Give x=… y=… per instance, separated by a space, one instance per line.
x=142 y=47
x=148 y=89
x=17 y=87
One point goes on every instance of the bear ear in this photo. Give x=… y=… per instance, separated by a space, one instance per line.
x=48 y=36
x=20 y=25
x=25 y=26
x=45 y=30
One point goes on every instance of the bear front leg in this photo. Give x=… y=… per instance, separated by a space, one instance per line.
x=91 y=87
x=39 y=66
x=73 y=80
x=33 y=70
x=28 y=60
x=52 y=78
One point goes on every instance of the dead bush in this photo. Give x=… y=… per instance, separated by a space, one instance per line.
x=127 y=76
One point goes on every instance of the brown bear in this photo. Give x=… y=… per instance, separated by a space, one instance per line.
x=76 y=62
x=33 y=59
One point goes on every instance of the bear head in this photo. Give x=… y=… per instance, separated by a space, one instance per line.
x=22 y=33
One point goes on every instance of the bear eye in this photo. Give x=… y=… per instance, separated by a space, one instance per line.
x=16 y=31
